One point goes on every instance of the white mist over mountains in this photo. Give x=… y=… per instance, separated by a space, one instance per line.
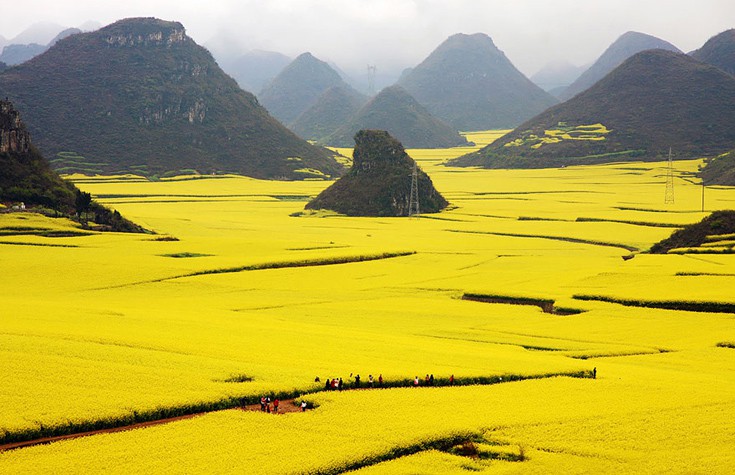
x=393 y=34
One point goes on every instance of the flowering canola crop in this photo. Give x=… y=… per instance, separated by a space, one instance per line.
x=243 y=297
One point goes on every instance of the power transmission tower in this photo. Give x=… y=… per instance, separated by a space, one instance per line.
x=371 y=71
x=669 y=199
x=413 y=199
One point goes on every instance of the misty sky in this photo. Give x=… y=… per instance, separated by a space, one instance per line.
x=394 y=34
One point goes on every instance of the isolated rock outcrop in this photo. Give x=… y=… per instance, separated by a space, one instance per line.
x=379 y=183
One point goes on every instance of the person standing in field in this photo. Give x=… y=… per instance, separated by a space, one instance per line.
x=370 y=380
x=431 y=380
x=426 y=380
x=276 y=402
x=380 y=380
x=357 y=380
x=303 y=406
x=451 y=380
x=262 y=403
x=416 y=382
x=340 y=384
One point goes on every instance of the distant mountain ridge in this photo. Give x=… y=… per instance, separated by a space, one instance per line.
x=395 y=111
x=13 y=54
x=556 y=74
x=140 y=96
x=298 y=86
x=621 y=49
x=654 y=101
x=719 y=51
x=254 y=69
x=471 y=85
x=334 y=108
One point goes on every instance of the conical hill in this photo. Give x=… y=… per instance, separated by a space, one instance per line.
x=470 y=84
x=333 y=109
x=655 y=101
x=298 y=87
x=380 y=181
x=394 y=110
x=621 y=49
x=141 y=96
x=719 y=51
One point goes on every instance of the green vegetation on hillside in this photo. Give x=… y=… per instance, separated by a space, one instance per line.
x=720 y=170
x=139 y=96
x=655 y=101
x=719 y=51
x=28 y=182
x=716 y=233
x=379 y=182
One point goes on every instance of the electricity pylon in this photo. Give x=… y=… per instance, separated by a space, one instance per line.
x=669 y=198
x=371 y=71
x=413 y=199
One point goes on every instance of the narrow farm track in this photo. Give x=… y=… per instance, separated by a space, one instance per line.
x=287 y=406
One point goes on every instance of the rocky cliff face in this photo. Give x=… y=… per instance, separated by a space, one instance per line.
x=379 y=183
x=140 y=96
x=13 y=135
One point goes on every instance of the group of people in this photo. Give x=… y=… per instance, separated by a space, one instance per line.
x=429 y=380
x=338 y=384
x=266 y=405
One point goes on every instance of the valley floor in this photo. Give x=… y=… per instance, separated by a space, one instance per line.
x=239 y=295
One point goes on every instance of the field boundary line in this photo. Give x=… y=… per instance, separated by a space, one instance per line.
x=328 y=261
x=50 y=434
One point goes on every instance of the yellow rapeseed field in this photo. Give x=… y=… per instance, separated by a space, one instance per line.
x=239 y=294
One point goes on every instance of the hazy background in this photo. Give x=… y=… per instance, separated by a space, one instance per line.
x=395 y=34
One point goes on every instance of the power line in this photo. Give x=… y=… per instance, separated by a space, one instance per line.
x=413 y=199
x=669 y=198
x=371 y=72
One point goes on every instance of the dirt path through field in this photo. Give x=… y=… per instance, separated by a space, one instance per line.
x=285 y=407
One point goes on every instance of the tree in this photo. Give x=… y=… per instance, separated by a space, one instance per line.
x=82 y=203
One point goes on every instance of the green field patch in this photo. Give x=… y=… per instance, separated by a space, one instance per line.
x=291 y=197
x=43 y=232
x=38 y=244
x=325 y=261
x=546 y=305
x=719 y=237
x=552 y=238
x=682 y=305
x=538 y=218
x=653 y=210
x=184 y=255
x=238 y=378
x=316 y=248
x=635 y=223
x=615 y=354
x=702 y=250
